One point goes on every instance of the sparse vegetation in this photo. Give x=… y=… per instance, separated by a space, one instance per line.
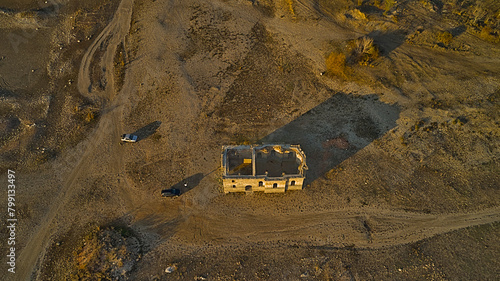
x=27 y=15
x=436 y=104
x=489 y=34
x=357 y=14
x=86 y=114
x=105 y=254
x=388 y=5
x=336 y=64
x=238 y=139
x=290 y=5
x=265 y=6
x=382 y=5
x=443 y=37
x=335 y=7
x=385 y=5
x=120 y=65
x=362 y=51
x=480 y=17
x=417 y=136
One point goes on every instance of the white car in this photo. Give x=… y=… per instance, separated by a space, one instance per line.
x=129 y=138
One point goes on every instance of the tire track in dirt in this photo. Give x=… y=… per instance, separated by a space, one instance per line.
x=39 y=239
x=116 y=31
x=365 y=228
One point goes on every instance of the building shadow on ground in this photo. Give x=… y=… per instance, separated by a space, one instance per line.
x=336 y=129
x=147 y=130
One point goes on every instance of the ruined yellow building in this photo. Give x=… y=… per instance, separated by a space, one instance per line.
x=268 y=168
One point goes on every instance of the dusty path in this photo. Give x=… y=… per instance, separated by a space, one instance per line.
x=360 y=227
x=116 y=32
x=364 y=228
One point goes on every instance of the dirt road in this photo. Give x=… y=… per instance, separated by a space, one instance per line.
x=365 y=228
x=196 y=93
x=115 y=33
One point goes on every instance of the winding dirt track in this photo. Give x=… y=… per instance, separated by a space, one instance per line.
x=365 y=228
x=368 y=228
x=116 y=31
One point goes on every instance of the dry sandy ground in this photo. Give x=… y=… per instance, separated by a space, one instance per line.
x=403 y=154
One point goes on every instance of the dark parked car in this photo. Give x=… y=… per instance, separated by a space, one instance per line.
x=171 y=192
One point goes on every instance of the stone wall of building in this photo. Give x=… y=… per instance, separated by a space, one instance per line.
x=261 y=185
x=262 y=168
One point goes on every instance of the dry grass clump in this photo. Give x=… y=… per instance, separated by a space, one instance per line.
x=27 y=15
x=356 y=14
x=385 y=5
x=241 y=139
x=489 y=34
x=432 y=38
x=86 y=114
x=382 y=5
x=290 y=5
x=480 y=16
x=336 y=64
x=120 y=63
x=363 y=51
x=443 y=38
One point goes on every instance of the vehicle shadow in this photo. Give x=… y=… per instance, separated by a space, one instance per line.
x=336 y=129
x=147 y=130
x=188 y=183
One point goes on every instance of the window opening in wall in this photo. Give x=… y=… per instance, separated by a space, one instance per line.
x=292 y=183
x=248 y=187
x=275 y=185
x=234 y=186
x=233 y=180
x=261 y=183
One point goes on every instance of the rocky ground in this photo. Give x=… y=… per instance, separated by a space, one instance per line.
x=396 y=105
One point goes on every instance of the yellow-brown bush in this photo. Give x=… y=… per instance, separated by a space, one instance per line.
x=290 y=6
x=444 y=37
x=362 y=51
x=488 y=34
x=336 y=64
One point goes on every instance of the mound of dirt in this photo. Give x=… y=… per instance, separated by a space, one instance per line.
x=108 y=253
